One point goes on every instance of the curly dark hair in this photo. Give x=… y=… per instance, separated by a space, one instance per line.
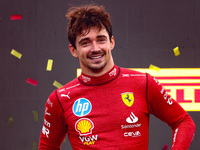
x=84 y=17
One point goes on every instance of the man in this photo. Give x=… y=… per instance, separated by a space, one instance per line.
x=107 y=107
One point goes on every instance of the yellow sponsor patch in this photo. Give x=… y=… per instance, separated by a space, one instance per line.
x=128 y=98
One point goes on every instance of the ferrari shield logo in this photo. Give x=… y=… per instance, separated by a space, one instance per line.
x=128 y=98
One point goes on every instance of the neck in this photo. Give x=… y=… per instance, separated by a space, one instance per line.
x=99 y=80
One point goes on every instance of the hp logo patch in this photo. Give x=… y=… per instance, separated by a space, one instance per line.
x=82 y=107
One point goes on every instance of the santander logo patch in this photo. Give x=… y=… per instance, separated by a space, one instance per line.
x=132 y=118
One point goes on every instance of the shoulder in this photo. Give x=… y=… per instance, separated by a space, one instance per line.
x=65 y=91
x=125 y=72
x=59 y=94
x=133 y=77
x=72 y=84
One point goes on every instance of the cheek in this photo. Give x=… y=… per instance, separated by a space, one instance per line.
x=83 y=54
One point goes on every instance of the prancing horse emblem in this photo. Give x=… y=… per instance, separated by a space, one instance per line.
x=128 y=98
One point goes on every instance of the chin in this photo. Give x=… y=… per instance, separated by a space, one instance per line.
x=98 y=67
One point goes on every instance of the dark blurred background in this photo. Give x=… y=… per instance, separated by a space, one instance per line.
x=145 y=33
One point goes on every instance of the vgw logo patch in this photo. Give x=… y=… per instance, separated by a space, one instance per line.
x=82 y=107
x=128 y=98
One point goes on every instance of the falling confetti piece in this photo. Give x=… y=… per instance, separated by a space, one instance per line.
x=57 y=84
x=154 y=67
x=35 y=115
x=16 y=17
x=49 y=64
x=34 y=146
x=176 y=51
x=32 y=81
x=10 y=120
x=165 y=147
x=16 y=54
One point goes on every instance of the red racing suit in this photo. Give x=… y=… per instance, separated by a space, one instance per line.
x=111 y=112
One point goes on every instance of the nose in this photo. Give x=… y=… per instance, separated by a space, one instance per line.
x=95 y=46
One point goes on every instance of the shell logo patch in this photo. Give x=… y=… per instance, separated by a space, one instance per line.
x=84 y=126
x=128 y=98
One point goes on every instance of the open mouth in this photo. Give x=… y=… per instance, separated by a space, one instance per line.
x=96 y=57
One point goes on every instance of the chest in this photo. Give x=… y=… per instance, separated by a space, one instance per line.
x=106 y=108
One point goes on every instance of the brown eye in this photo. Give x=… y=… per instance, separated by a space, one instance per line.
x=84 y=43
x=102 y=40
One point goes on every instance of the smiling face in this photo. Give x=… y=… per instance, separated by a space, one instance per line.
x=93 y=48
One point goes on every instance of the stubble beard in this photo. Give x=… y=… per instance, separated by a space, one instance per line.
x=99 y=67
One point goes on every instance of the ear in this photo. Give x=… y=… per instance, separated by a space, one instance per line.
x=73 y=51
x=112 y=42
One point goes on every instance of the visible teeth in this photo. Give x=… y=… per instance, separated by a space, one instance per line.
x=96 y=57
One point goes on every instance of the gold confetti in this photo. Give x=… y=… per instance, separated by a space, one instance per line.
x=49 y=64
x=176 y=51
x=57 y=84
x=10 y=120
x=16 y=54
x=35 y=115
x=154 y=67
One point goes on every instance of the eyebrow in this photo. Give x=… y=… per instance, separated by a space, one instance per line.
x=84 y=39
x=99 y=36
